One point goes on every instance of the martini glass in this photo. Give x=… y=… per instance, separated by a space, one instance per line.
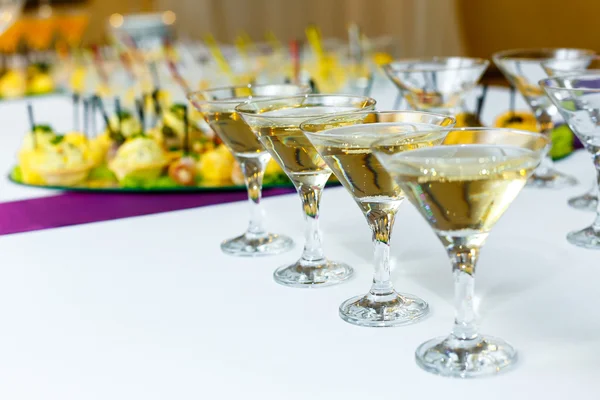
x=523 y=68
x=345 y=142
x=577 y=98
x=461 y=190
x=276 y=123
x=218 y=108
x=578 y=66
x=436 y=84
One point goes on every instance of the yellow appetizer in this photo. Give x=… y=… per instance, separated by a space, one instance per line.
x=13 y=83
x=140 y=157
x=125 y=124
x=216 y=166
x=63 y=160
x=170 y=132
x=39 y=80
x=465 y=119
x=517 y=120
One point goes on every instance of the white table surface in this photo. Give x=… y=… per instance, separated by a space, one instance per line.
x=149 y=308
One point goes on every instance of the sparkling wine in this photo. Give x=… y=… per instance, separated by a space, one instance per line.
x=234 y=132
x=287 y=144
x=463 y=188
x=360 y=172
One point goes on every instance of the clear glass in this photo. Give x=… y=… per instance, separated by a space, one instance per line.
x=577 y=66
x=344 y=142
x=462 y=188
x=218 y=109
x=436 y=84
x=577 y=98
x=523 y=69
x=276 y=123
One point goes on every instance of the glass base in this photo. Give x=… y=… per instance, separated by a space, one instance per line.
x=244 y=246
x=302 y=274
x=384 y=311
x=457 y=358
x=588 y=238
x=551 y=179
x=585 y=202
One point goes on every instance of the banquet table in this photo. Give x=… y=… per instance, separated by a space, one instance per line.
x=149 y=308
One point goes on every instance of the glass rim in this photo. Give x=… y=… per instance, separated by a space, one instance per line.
x=508 y=54
x=477 y=63
x=194 y=96
x=239 y=108
x=402 y=136
x=382 y=142
x=322 y=119
x=552 y=82
x=562 y=72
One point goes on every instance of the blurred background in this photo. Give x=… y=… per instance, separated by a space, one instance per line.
x=416 y=27
x=421 y=27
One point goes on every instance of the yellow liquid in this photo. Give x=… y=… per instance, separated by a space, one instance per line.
x=463 y=195
x=292 y=150
x=234 y=132
x=287 y=144
x=360 y=172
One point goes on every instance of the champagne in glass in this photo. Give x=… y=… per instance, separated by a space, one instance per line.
x=523 y=69
x=345 y=142
x=218 y=108
x=462 y=189
x=276 y=123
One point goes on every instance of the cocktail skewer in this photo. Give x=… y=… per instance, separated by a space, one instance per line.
x=480 y=101
x=86 y=117
x=32 y=124
x=76 y=99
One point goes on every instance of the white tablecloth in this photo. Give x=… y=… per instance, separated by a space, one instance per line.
x=149 y=308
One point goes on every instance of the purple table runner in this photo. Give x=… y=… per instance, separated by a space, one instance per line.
x=82 y=208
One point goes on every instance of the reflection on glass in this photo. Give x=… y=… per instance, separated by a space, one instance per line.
x=276 y=123
x=577 y=98
x=462 y=188
x=523 y=68
x=345 y=142
x=557 y=67
x=218 y=108
x=436 y=84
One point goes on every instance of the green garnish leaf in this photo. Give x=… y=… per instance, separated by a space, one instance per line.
x=42 y=128
x=162 y=182
x=178 y=109
x=16 y=174
x=102 y=173
x=139 y=134
x=562 y=142
x=57 y=139
x=167 y=131
x=42 y=66
x=123 y=115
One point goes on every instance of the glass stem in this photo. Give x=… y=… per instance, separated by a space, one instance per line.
x=253 y=169
x=311 y=198
x=546 y=124
x=463 y=267
x=596 y=225
x=381 y=223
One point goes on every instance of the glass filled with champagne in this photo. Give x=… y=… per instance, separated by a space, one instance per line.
x=462 y=188
x=276 y=123
x=344 y=142
x=218 y=109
